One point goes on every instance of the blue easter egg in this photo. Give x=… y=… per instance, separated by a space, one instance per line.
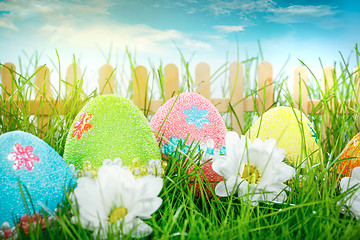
x=30 y=167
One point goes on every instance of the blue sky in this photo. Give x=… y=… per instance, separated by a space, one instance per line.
x=211 y=30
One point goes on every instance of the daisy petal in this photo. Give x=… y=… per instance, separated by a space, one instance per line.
x=141 y=229
x=222 y=167
x=226 y=188
x=144 y=209
x=220 y=190
x=152 y=185
x=356 y=173
x=355 y=207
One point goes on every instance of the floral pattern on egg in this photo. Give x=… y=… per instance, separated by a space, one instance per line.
x=196 y=116
x=23 y=157
x=190 y=120
x=82 y=125
x=33 y=175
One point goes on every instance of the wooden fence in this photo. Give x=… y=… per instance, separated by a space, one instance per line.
x=236 y=103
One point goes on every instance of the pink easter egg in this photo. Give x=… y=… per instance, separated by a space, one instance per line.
x=196 y=119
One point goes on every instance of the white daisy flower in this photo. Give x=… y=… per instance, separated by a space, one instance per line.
x=252 y=169
x=116 y=200
x=352 y=185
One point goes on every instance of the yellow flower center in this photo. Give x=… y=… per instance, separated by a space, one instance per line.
x=117 y=214
x=251 y=174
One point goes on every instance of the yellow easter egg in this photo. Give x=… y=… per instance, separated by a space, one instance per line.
x=293 y=132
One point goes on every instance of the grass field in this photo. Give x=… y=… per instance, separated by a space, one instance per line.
x=313 y=206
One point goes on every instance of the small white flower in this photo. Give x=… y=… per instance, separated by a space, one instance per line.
x=252 y=169
x=117 y=200
x=352 y=200
x=116 y=161
x=154 y=168
x=204 y=147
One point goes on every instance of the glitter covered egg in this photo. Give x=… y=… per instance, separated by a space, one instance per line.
x=112 y=127
x=293 y=132
x=191 y=119
x=350 y=157
x=33 y=171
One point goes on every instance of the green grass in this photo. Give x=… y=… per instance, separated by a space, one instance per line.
x=311 y=210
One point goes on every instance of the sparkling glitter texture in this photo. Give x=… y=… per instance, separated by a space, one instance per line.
x=119 y=130
x=177 y=124
x=350 y=157
x=287 y=125
x=45 y=182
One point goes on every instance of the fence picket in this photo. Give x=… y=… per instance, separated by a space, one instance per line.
x=265 y=87
x=73 y=77
x=8 y=77
x=43 y=95
x=9 y=80
x=106 y=79
x=329 y=93
x=202 y=79
x=42 y=82
x=300 y=83
x=171 y=77
x=237 y=96
x=356 y=78
x=140 y=87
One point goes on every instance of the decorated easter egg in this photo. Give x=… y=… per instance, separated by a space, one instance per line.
x=111 y=127
x=192 y=120
x=350 y=157
x=293 y=132
x=33 y=175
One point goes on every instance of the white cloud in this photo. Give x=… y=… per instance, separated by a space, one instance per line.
x=247 y=10
x=85 y=24
x=221 y=7
x=197 y=45
x=18 y=11
x=7 y=23
x=298 y=13
x=179 y=4
x=142 y=37
x=191 y=10
x=314 y=11
x=229 y=29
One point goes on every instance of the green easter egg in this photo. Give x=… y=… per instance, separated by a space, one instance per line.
x=110 y=127
x=293 y=132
